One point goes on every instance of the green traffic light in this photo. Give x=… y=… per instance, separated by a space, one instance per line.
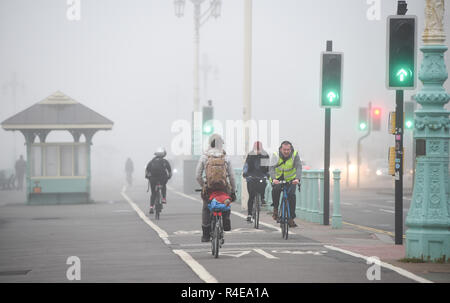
x=207 y=129
x=402 y=74
x=409 y=124
x=331 y=96
x=362 y=126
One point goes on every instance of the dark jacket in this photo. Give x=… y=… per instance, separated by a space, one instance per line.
x=159 y=168
x=256 y=165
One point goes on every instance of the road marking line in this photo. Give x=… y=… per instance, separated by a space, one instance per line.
x=195 y=266
x=233 y=212
x=234 y=253
x=372 y=229
x=265 y=254
x=387 y=211
x=161 y=233
x=398 y=270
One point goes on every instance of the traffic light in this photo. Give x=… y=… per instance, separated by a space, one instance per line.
x=409 y=114
x=363 y=123
x=401 y=52
x=376 y=119
x=331 y=79
x=207 y=120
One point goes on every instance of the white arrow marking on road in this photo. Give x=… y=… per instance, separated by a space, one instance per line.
x=235 y=254
x=265 y=254
x=244 y=230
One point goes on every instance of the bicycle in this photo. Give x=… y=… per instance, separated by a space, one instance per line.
x=256 y=204
x=217 y=231
x=158 y=200
x=217 y=238
x=285 y=212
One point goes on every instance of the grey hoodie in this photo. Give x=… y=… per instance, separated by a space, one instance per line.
x=217 y=150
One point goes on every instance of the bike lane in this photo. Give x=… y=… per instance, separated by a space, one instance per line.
x=258 y=256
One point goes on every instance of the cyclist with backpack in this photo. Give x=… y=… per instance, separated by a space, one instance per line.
x=286 y=166
x=219 y=179
x=256 y=167
x=158 y=171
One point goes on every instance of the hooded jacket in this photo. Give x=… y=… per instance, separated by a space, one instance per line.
x=215 y=148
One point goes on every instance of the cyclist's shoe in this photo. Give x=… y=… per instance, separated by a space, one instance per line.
x=151 y=210
x=249 y=219
x=292 y=223
x=163 y=200
x=275 y=214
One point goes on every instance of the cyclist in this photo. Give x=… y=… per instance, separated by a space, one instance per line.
x=256 y=167
x=219 y=178
x=129 y=168
x=287 y=166
x=158 y=171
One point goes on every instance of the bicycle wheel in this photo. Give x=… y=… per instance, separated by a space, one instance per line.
x=157 y=205
x=286 y=221
x=256 y=209
x=215 y=241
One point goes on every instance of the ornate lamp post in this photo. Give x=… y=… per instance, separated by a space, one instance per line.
x=428 y=220
x=200 y=18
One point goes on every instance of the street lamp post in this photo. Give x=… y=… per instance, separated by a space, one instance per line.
x=428 y=220
x=200 y=18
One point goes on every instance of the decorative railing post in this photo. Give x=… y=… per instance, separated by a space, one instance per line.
x=321 y=185
x=336 y=221
x=303 y=190
x=315 y=197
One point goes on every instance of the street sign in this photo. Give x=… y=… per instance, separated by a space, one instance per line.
x=401 y=52
x=331 y=79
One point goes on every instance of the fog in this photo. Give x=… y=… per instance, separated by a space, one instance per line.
x=132 y=62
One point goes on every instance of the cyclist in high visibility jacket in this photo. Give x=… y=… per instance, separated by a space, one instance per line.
x=287 y=166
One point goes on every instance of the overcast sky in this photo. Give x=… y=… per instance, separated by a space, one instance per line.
x=132 y=61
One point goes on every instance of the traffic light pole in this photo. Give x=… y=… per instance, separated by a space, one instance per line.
x=399 y=129
x=358 y=159
x=326 y=168
x=399 y=168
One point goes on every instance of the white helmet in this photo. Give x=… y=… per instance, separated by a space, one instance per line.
x=161 y=152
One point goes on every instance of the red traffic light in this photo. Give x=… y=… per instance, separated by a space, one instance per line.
x=377 y=111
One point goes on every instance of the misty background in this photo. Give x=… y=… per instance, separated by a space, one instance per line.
x=132 y=62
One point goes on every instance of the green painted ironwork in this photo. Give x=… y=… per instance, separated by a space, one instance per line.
x=336 y=221
x=428 y=219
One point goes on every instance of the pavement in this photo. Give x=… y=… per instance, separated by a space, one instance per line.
x=115 y=245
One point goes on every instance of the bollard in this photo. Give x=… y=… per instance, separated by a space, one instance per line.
x=309 y=208
x=336 y=221
x=238 y=180
x=315 y=196
x=321 y=185
x=298 y=203
x=268 y=195
x=303 y=190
